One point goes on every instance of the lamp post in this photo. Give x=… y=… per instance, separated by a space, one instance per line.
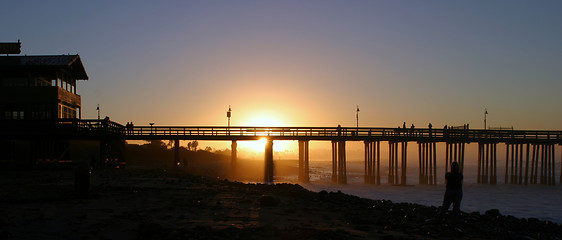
x=357 y=117
x=228 y=115
x=485 y=114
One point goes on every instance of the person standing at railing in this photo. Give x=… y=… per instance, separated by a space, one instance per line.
x=339 y=130
x=105 y=123
x=429 y=126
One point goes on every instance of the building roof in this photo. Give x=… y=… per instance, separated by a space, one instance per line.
x=71 y=63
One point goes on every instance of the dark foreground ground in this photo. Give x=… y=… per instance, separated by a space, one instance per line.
x=159 y=204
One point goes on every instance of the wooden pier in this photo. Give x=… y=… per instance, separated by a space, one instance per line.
x=530 y=154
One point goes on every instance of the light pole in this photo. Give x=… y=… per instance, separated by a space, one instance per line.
x=485 y=114
x=357 y=117
x=228 y=115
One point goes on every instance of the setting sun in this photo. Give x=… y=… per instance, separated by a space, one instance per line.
x=265 y=120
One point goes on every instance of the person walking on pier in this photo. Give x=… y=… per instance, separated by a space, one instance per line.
x=453 y=193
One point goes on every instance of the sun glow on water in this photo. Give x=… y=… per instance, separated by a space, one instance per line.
x=259 y=146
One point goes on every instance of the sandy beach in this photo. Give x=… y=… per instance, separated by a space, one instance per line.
x=140 y=203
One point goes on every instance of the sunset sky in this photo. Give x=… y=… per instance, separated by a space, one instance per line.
x=306 y=63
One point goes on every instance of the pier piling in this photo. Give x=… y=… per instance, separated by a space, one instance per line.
x=339 y=171
x=268 y=179
x=372 y=162
x=487 y=157
x=427 y=160
x=233 y=158
x=304 y=176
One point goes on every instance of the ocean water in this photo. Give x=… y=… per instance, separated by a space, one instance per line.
x=522 y=201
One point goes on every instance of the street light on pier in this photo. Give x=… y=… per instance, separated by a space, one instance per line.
x=357 y=117
x=485 y=114
x=228 y=114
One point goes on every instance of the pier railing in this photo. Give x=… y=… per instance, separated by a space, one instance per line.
x=343 y=133
x=96 y=128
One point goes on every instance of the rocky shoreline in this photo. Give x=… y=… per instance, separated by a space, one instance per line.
x=167 y=204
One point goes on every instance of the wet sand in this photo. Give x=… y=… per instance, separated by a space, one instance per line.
x=168 y=204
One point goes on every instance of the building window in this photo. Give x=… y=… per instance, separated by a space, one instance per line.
x=66 y=112
x=14 y=115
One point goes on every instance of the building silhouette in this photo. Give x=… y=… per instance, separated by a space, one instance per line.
x=40 y=87
x=36 y=94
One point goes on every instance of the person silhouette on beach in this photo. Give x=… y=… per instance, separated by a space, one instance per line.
x=453 y=193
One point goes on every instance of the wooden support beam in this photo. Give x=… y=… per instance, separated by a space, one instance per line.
x=434 y=163
x=487 y=163
x=527 y=165
x=404 y=167
x=512 y=166
x=447 y=157
x=542 y=179
x=378 y=163
x=396 y=163
x=480 y=165
x=506 y=161
x=233 y=157
x=494 y=168
x=420 y=163
x=334 y=162
x=304 y=176
x=520 y=164
x=268 y=179
x=461 y=157
x=342 y=168
x=390 y=162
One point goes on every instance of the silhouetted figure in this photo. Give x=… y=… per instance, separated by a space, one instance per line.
x=339 y=130
x=453 y=193
x=404 y=125
x=105 y=123
x=429 y=126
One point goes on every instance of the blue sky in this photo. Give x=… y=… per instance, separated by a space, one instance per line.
x=306 y=62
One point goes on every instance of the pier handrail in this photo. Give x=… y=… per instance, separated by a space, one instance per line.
x=411 y=134
x=95 y=128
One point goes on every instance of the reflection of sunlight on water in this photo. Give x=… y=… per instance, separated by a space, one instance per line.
x=257 y=148
x=536 y=201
